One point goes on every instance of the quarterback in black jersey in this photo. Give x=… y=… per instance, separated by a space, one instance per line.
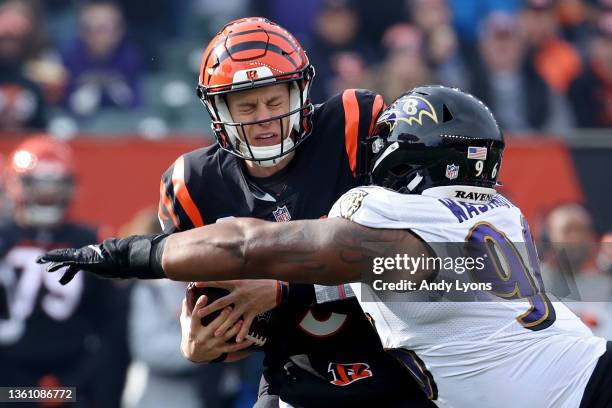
x=50 y=334
x=254 y=81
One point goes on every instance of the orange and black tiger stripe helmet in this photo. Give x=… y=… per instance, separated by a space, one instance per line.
x=250 y=53
x=40 y=180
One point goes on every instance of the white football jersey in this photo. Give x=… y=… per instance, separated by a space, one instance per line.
x=523 y=353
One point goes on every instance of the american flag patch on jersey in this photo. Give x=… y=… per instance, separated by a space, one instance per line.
x=477 y=153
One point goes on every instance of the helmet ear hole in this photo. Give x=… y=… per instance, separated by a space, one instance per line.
x=396 y=177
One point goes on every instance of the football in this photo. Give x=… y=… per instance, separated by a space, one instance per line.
x=258 y=332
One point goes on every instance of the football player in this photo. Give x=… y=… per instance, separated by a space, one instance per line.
x=278 y=157
x=436 y=154
x=52 y=335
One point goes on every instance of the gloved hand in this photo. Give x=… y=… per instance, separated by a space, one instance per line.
x=137 y=256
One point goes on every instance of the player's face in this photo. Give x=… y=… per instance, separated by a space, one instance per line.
x=45 y=200
x=257 y=105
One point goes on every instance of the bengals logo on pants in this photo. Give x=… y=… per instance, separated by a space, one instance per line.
x=345 y=374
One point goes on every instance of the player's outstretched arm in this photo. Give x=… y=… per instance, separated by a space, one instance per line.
x=328 y=251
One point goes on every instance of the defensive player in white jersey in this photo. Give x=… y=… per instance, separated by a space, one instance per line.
x=435 y=156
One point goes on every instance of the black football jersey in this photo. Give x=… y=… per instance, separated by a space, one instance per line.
x=49 y=328
x=209 y=184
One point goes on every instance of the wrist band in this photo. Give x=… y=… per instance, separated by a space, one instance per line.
x=155 y=260
x=140 y=256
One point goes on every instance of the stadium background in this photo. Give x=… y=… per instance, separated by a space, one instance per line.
x=557 y=112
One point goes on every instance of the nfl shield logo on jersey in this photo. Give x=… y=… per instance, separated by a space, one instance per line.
x=281 y=214
x=452 y=171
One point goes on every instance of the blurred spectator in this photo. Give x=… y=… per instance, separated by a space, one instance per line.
x=404 y=66
x=336 y=42
x=104 y=68
x=591 y=94
x=569 y=270
x=152 y=23
x=555 y=60
x=569 y=230
x=377 y=19
x=604 y=257
x=441 y=46
x=55 y=335
x=469 y=14
x=21 y=101
x=350 y=72
x=60 y=22
x=39 y=63
x=518 y=96
x=43 y=63
x=574 y=19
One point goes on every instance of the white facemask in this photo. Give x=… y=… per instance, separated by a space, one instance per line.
x=261 y=154
x=44 y=216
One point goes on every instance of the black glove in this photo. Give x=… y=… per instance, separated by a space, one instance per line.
x=137 y=256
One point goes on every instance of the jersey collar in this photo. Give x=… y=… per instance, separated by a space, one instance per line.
x=468 y=194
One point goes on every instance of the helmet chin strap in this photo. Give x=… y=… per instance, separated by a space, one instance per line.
x=267 y=151
x=415 y=182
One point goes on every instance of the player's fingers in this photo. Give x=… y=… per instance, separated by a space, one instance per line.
x=219 y=320
x=185 y=318
x=246 y=326
x=69 y=274
x=233 y=347
x=196 y=321
x=232 y=331
x=199 y=304
x=54 y=266
x=184 y=309
x=186 y=327
x=57 y=255
x=229 y=322
x=218 y=304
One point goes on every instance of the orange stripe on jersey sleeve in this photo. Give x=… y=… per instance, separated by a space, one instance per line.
x=377 y=107
x=351 y=126
x=182 y=194
x=165 y=201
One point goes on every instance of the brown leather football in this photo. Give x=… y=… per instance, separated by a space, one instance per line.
x=258 y=332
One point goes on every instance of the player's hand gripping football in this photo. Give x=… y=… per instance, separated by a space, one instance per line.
x=198 y=342
x=136 y=256
x=249 y=298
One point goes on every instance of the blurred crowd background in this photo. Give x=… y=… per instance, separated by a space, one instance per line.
x=101 y=68
x=107 y=75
